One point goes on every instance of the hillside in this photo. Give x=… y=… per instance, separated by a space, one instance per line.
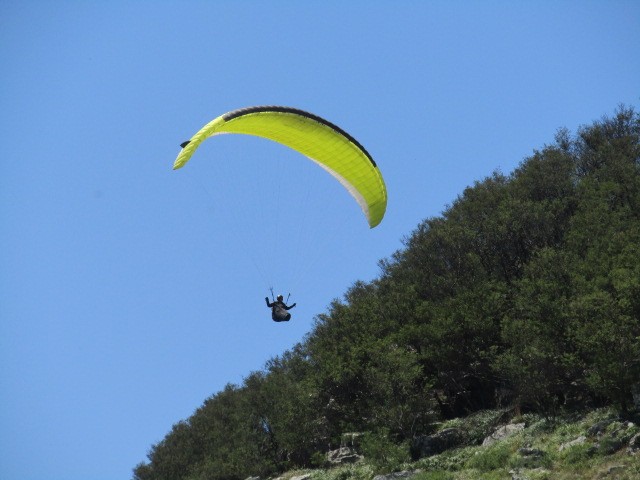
x=523 y=296
x=494 y=444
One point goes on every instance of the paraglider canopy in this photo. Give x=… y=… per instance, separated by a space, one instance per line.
x=326 y=144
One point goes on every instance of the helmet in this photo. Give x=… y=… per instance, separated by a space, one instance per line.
x=280 y=297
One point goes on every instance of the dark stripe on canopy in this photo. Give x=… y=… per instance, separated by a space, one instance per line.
x=249 y=110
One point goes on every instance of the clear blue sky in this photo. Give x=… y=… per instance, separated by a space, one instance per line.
x=129 y=293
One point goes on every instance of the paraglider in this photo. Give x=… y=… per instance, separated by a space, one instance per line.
x=326 y=144
x=279 y=309
x=321 y=141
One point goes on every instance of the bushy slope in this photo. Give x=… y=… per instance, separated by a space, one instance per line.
x=598 y=444
x=525 y=294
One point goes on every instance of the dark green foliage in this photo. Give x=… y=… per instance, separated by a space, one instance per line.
x=524 y=293
x=385 y=455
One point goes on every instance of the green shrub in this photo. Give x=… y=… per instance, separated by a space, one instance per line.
x=383 y=454
x=477 y=425
x=318 y=459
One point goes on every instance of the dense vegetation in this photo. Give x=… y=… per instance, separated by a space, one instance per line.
x=524 y=293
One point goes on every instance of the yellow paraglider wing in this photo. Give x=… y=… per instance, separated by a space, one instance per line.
x=323 y=142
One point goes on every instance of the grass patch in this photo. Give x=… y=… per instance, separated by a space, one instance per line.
x=435 y=475
x=491 y=458
x=358 y=471
x=450 y=460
